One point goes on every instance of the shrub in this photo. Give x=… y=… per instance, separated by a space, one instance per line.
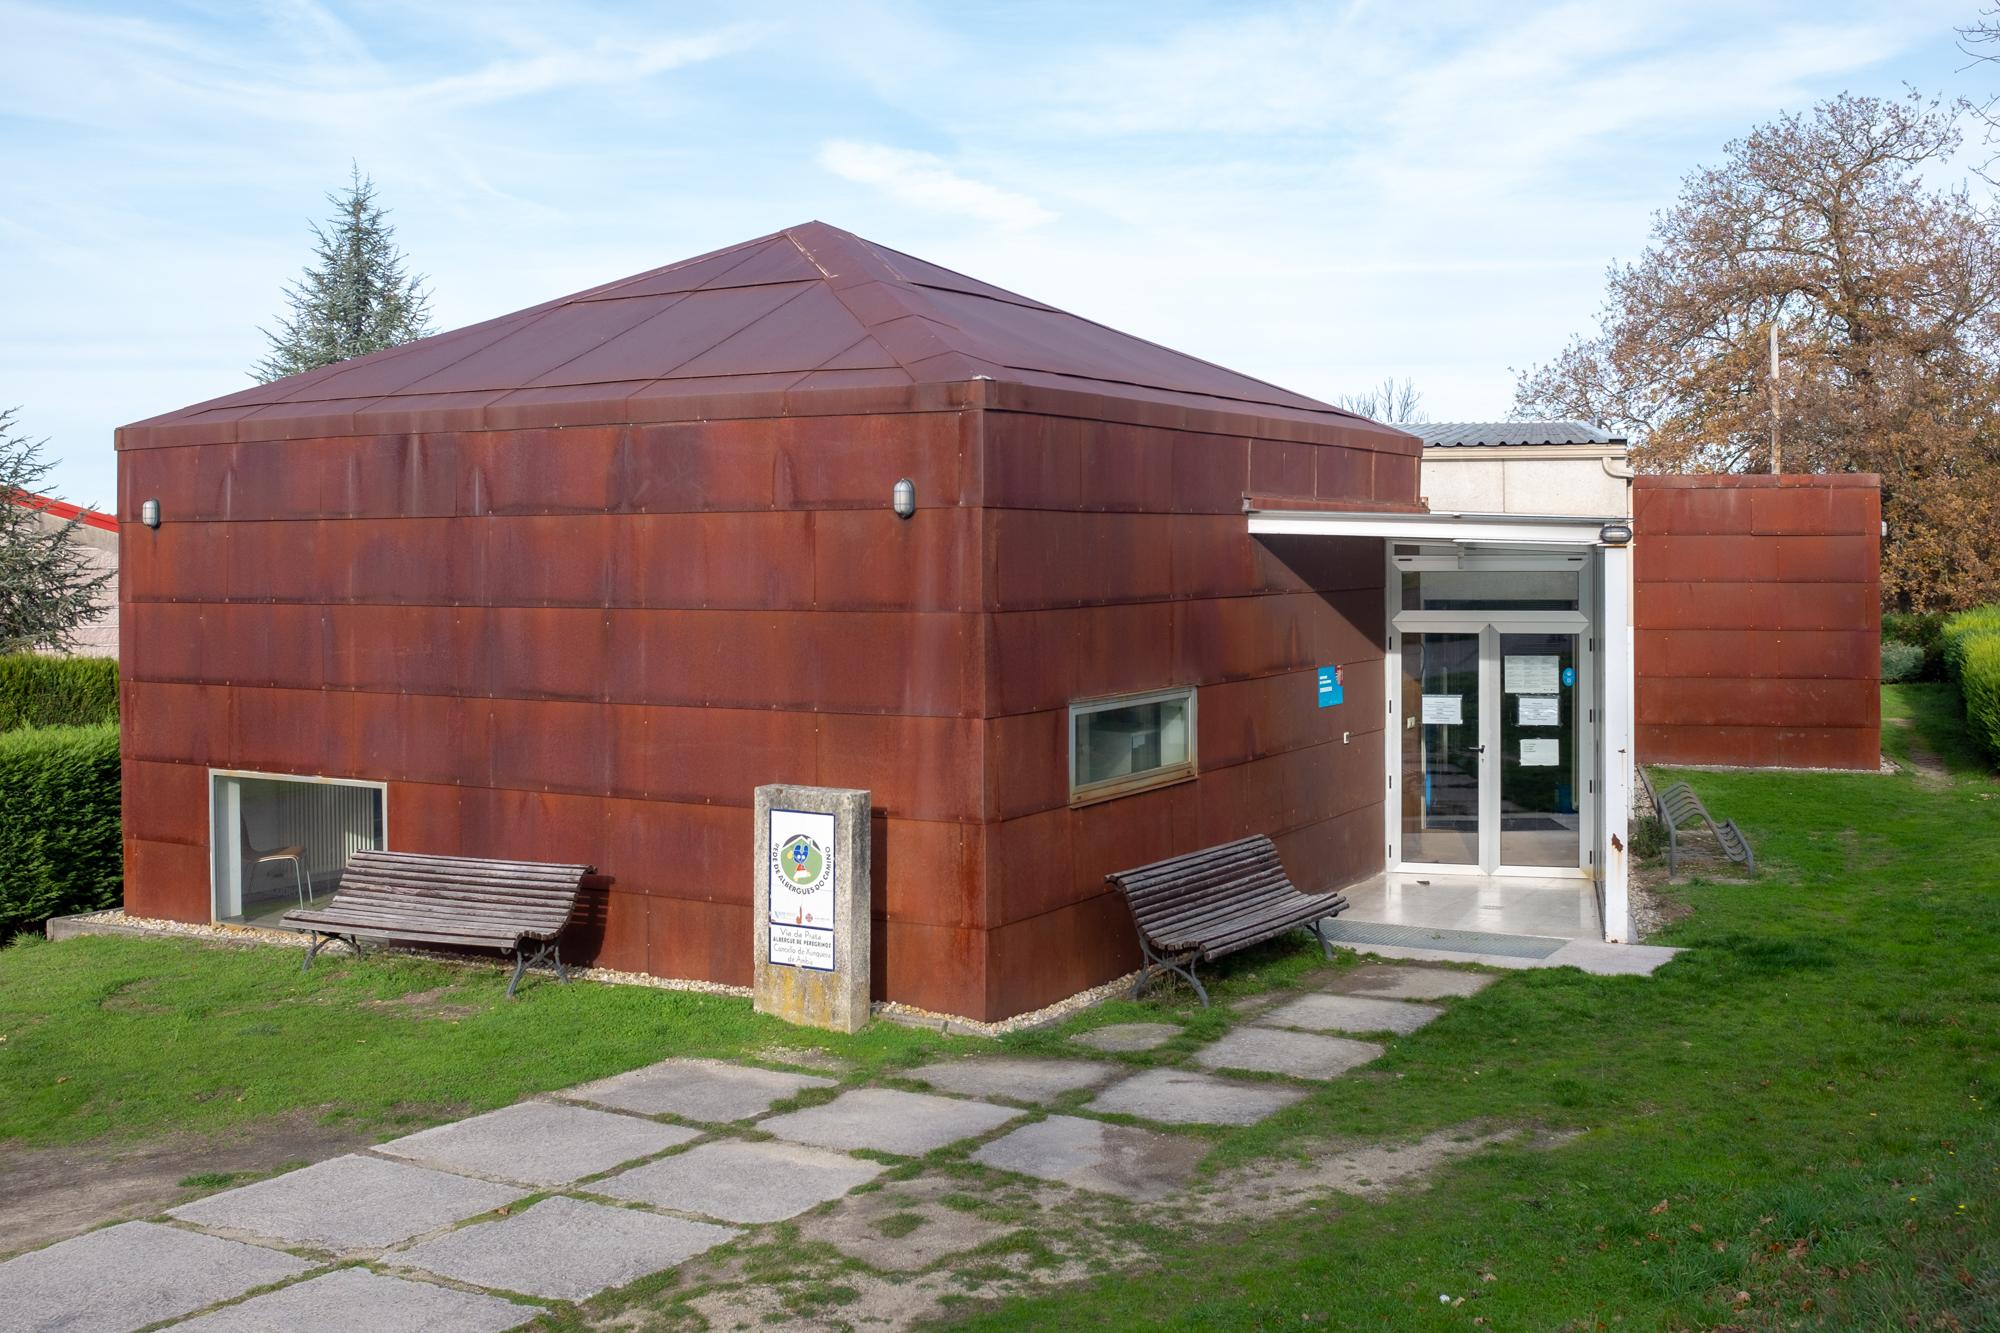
x=1960 y=630
x=1979 y=682
x=1901 y=661
x=1649 y=837
x=41 y=691
x=1920 y=628
x=59 y=831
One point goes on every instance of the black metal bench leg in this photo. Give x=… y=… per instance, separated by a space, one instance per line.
x=520 y=966
x=1317 y=927
x=1156 y=963
x=312 y=950
x=555 y=956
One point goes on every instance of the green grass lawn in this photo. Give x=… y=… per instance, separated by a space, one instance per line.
x=1800 y=1109
x=104 y=1037
x=1791 y=1125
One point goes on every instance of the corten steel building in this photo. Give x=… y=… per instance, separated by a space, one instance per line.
x=569 y=584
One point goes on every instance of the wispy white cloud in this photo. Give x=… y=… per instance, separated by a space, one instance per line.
x=926 y=181
x=1315 y=191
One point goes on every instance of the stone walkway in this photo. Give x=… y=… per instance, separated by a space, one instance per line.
x=480 y=1224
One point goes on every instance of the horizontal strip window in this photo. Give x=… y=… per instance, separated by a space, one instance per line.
x=1130 y=743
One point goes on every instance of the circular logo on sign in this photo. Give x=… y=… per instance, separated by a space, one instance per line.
x=802 y=863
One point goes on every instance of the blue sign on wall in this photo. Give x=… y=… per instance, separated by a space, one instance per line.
x=1569 y=676
x=1332 y=685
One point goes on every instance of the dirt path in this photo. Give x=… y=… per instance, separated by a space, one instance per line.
x=47 y=1194
x=1921 y=760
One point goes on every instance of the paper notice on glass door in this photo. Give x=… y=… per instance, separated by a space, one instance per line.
x=1540 y=752
x=1530 y=675
x=1446 y=710
x=1540 y=710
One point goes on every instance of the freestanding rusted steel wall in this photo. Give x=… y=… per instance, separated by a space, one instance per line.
x=1757 y=609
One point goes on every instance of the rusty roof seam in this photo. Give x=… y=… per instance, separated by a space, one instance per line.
x=747 y=247
x=689 y=360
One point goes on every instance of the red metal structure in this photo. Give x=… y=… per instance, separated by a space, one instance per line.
x=1758 y=614
x=63 y=511
x=574 y=581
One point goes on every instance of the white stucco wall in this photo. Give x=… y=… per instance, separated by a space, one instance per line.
x=1543 y=479
x=100 y=548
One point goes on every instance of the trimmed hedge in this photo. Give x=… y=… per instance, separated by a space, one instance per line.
x=1901 y=662
x=1960 y=630
x=59 y=829
x=1979 y=683
x=42 y=691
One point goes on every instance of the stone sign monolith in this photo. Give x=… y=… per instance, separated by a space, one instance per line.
x=811 y=903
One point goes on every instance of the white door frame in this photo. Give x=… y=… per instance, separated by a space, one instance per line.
x=1489 y=625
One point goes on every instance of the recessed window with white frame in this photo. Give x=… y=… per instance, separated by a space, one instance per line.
x=1130 y=742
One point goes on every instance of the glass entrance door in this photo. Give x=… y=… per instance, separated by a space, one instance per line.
x=1494 y=745
x=1539 y=754
x=1443 y=750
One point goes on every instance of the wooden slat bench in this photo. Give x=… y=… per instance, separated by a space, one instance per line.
x=1207 y=904
x=517 y=907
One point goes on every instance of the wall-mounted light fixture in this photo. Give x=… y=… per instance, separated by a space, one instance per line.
x=904 y=499
x=1615 y=534
x=149 y=513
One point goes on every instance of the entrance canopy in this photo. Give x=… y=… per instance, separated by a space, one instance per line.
x=1507 y=644
x=1508 y=529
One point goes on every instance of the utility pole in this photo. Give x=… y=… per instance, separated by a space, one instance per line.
x=1775 y=456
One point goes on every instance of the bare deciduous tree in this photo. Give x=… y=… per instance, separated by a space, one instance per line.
x=1885 y=293
x=1397 y=402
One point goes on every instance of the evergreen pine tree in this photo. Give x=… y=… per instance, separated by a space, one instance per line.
x=357 y=298
x=46 y=588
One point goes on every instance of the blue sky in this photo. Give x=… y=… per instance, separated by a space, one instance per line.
x=1320 y=195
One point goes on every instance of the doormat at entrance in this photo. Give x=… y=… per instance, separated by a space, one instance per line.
x=1455 y=941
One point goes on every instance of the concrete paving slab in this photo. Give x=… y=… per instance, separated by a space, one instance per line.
x=1274 y=1051
x=1351 y=1013
x=710 y=1091
x=1183 y=1097
x=1408 y=983
x=539 y=1143
x=1091 y=1155
x=564 y=1249
x=348 y=1203
x=354 y=1298
x=1128 y=1036
x=905 y=1226
x=1603 y=960
x=906 y=1123
x=742 y=1182
x=131 y=1275
x=1020 y=1080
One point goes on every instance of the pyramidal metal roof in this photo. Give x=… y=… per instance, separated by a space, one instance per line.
x=755 y=329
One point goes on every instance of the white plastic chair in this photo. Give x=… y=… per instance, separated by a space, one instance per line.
x=258 y=856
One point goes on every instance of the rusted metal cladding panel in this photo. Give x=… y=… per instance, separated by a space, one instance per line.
x=1119 y=562
x=585 y=644
x=1757 y=613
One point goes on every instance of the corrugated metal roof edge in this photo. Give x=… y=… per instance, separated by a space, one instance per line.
x=1552 y=434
